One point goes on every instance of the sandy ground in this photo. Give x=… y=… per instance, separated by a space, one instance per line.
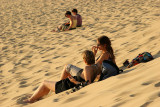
x=30 y=53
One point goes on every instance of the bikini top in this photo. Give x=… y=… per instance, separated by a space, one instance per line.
x=109 y=59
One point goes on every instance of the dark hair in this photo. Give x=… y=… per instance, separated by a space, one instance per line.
x=67 y=13
x=75 y=10
x=89 y=57
x=105 y=40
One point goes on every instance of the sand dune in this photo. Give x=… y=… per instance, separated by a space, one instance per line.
x=30 y=53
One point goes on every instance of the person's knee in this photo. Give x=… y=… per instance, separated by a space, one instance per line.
x=67 y=68
x=44 y=82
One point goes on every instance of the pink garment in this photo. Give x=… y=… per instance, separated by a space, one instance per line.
x=79 y=20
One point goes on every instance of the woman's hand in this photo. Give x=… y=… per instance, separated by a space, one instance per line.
x=95 y=49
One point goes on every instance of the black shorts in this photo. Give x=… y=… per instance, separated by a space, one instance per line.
x=63 y=85
x=66 y=84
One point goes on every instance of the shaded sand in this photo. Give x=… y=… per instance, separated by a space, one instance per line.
x=30 y=53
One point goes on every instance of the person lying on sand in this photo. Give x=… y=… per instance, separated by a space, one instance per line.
x=90 y=71
x=79 y=18
x=72 y=24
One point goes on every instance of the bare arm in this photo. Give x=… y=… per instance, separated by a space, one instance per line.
x=87 y=74
x=67 y=23
x=94 y=50
x=71 y=24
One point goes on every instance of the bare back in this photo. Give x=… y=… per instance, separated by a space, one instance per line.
x=90 y=72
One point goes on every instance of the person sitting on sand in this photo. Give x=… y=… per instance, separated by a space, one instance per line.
x=107 y=53
x=72 y=24
x=104 y=45
x=79 y=18
x=90 y=71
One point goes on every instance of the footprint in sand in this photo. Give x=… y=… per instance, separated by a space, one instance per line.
x=23 y=82
x=66 y=46
x=47 y=61
x=4 y=48
x=119 y=104
x=22 y=86
x=133 y=95
x=59 y=67
x=35 y=88
x=5 y=87
x=83 y=92
x=1 y=65
x=146 y=83
x=48 y=74
x=20 y=99
x=72 y=99
x=79 y=62
x=55 y=57
x=38 y=71
x=124 y=43
x=4 y=93
x=2 y=100
x=146 y=104
x=55 y=100
x=133 y=50
x=118 y=99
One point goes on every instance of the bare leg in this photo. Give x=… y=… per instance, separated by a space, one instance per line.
x=42 y=90
x=64 y=74
x=58 y=29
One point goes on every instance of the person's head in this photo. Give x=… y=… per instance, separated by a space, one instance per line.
x=74 y=11
x=104 y=44
x=88 y=57
x=68 y=14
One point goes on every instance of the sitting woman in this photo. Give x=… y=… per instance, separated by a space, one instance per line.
x=79 y=17
x=72 y=24
x=104 y=45
x=89 y=73
x=107 y=54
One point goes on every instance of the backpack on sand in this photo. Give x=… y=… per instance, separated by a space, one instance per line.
x=143 y=57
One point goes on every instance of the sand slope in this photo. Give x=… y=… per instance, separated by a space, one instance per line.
x=30 y=53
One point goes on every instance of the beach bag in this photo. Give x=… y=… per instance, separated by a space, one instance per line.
x=143 y=57
x=109 y=69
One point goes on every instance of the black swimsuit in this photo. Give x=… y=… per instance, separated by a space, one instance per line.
x=66 y=84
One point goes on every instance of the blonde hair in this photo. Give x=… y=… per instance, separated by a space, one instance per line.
x=89 y=57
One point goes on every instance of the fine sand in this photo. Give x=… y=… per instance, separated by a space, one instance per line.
x=30 y=53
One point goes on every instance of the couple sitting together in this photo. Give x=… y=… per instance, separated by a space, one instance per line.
x=72 y=75
x=75 y=20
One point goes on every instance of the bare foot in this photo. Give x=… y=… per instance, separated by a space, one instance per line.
x=53 y=31
x=57 y=30
x=28 y=101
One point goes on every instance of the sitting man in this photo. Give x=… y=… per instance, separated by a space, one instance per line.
x=79 y=18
